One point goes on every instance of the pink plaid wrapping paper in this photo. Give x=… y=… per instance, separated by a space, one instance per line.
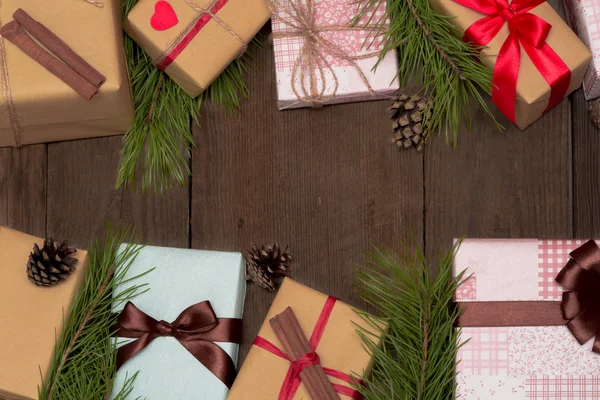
x=584 y=18
x=515 y=363
x=351 y=88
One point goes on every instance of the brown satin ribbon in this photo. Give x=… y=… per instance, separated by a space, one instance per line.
x=579 y=308
x=196 y=329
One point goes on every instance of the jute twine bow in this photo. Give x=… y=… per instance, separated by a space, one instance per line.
x=206 y=9
x=311 y=65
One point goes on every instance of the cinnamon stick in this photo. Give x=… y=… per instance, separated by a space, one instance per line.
x=59 y=48
x=290 y=334
x=15 y=34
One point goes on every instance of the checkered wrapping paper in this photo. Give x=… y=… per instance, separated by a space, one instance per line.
x=520 y=363
x=353 y=43
x=584 y=18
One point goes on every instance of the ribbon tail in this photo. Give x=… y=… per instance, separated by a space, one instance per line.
x=504 y=80
x=125 y=352
x=213 y=357
x=553 y=69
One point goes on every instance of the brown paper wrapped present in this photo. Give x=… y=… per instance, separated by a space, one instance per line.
x=206 y=37
x=30 y=316
x=339 y=349
x=536 y=33
x=45 y=109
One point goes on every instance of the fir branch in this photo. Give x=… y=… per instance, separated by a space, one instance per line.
x=84 y=358
x=432 y=54
x=417 y=356
x=160 y=139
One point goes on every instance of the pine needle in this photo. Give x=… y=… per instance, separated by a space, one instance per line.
x=431 y=54
x=84 y=359
x=160 y=139
x=416 y=360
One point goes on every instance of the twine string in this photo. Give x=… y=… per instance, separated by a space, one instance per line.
x=98 y=4
x=13 y=120
x=206 y=9
x=311 y=65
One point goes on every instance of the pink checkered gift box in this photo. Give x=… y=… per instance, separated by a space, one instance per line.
x=584 y=18
x=521 y=362
x=341 y=61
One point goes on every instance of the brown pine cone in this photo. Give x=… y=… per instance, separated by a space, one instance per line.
x=408 y=113
x=265 y=264
x=51 y=264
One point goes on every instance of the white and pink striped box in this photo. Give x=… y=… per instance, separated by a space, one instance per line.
x=520 y=363
x=584 y=18
x=382 y=75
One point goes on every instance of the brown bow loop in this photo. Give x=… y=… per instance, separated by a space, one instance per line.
x=309 y=79
x=581 y=303
x=196 y=329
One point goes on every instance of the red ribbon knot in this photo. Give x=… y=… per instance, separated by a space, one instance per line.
x=305 y=361
x=526 y=31
x=196 y=329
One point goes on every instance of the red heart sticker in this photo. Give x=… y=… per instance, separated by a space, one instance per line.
x=164 y=16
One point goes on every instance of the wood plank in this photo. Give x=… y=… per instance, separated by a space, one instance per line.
x=82 y=175
x=511 y=184
x=23 y=188
x=586 y=171
x=326 y=182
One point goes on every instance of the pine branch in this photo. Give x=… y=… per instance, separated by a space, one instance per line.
x=83 y=363
x=417 y=356
x=432 y=54
x=160 y=140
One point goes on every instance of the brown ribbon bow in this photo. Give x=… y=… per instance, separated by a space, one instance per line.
x=579 y=308
x=581 y=304
x=196 y=328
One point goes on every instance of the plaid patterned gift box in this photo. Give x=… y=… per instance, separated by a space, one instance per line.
x=320 y=58
x=584 y=18
x=520 y=362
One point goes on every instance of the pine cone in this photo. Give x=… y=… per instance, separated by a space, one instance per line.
x=407 y=115
x=265 y=264
x=51 y=264
x=594 y=110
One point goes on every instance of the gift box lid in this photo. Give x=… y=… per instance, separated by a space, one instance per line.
x=95 y=34
x=31 y=317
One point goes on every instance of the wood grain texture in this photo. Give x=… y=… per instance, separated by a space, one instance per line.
x=326 y=182
x=23 y=188
x=510 y=184
x=586 y=171
x=82 y=175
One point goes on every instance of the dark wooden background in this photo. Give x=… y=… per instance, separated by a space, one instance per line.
x=326 y=182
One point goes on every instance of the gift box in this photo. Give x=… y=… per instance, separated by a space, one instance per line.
x=193 y=41
x=185 y=285
x=31 y=317
x=330 y=60
x=519 y=345
x=39 y=107
x=582 y=16
x=536 y=63
x=331 y=326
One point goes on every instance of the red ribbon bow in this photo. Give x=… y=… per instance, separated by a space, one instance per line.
x=525 y=30
x=581 y=304
x=292 y=379
x=196 y=328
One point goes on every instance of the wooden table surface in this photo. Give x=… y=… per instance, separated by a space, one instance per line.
x=327 y=182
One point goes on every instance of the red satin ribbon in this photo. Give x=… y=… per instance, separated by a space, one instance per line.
x=525 y=30
x=292 y=380
x=185 y=41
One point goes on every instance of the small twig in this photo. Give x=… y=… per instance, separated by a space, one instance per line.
x=150 y=115
x=449 y=60
x=84 y=323
x=425 y=343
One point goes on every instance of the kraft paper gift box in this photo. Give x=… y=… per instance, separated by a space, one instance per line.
x=31 y=317
x=47 y=109
x=341 y=60
x=583 y=17
x=195 y=50
x=520 y=362
x=340 y=347
x=181 y=278
x=533 y=94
